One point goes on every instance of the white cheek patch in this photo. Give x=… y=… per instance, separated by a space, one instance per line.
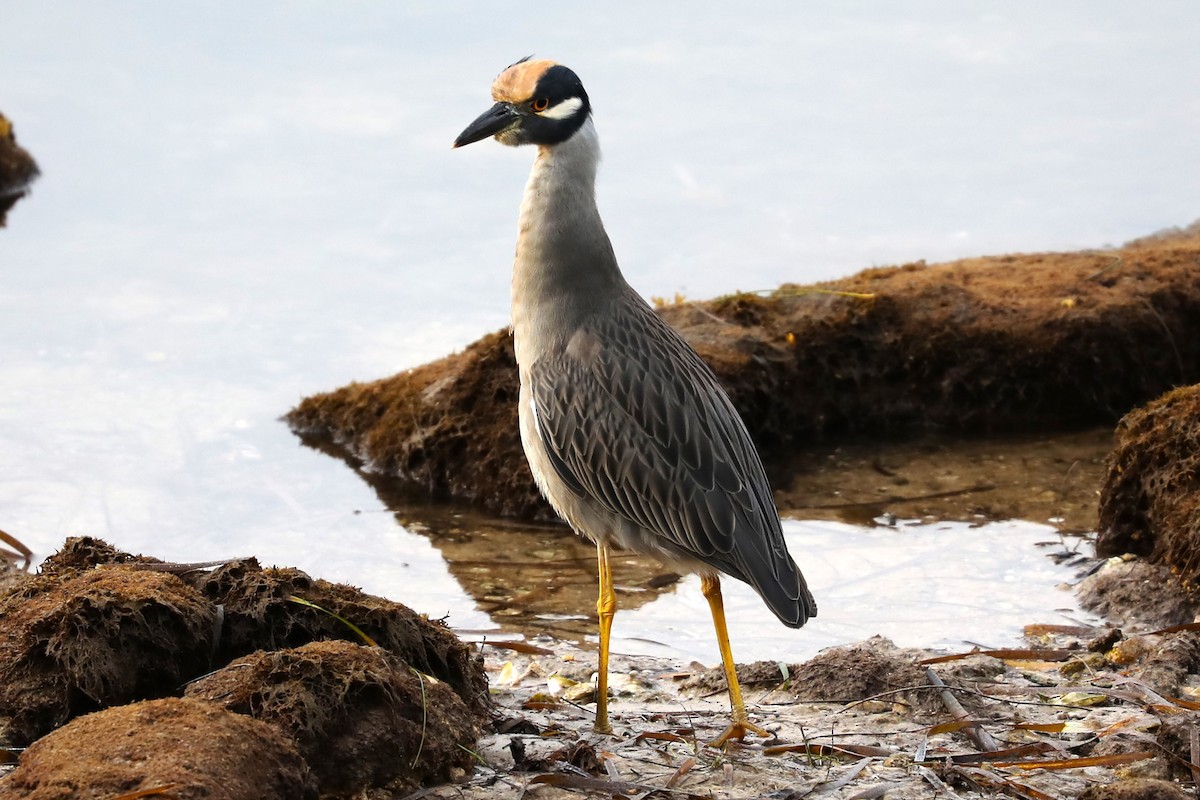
x=563 y=110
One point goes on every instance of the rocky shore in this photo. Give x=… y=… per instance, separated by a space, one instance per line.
x=1005 y=344
x=17 y=169
x=124 y=677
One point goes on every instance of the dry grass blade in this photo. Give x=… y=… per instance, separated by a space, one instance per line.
x=986 y=779
x=854 y=772
x=1119 y=725
x=173 y=567
x=683 y=769
x=858 y=751
x=996 y=756
x=1191 y=626
x=424 y=716
x=949 y=727
x=1025 y=653
x=1032 y=666
x=815 y=290
x=541 y=702
x=1062 y=630
x=23 y=553
x=1194 y=742
x=566 y=780
x=871 y=792
x=1152 y=699
x=358 y=631
x=1040 y=727
x=978 y=487
x=663 y=736
x=1074 y=763
x=156 y=791
x=519 y=647
x=930 y=777
x=1190 y=705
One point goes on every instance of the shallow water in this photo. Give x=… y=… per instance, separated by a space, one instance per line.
x=945 y=585
x=242 y=205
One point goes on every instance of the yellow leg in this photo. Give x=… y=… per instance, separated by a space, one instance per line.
x=606 y=607
x=741 y=725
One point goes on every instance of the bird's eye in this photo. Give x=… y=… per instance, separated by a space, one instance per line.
x=540 y=104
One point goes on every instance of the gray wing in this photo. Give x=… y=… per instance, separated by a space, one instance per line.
x=636 y=422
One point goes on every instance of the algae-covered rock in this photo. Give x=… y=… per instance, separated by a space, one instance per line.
x=1013 y=343
x=1150 y=500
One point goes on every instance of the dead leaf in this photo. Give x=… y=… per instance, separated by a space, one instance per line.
x=519 y=647
x=1062 y=630
x=1074 y=763
x=683 y=769
x=826 y=750
x=1031 y=654
x=663 y=736
x=156 y=791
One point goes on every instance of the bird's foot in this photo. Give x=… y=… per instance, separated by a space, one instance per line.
x=738 y=729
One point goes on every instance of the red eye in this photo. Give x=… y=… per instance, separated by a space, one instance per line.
x=540 y=104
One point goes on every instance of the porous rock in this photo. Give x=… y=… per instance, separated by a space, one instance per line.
x=186 y=749
x=260 y=614
x=1138 y=595
x=1016 y=343
x=76 y=641
x=17 y=169
x=362 y=717
x=1150 y=500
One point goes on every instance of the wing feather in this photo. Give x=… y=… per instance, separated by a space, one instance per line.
x=639 y=425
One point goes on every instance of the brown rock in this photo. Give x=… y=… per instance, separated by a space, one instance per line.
x=448 y=429
x=362 y=717
x=258 y=615
x=856 y=672
x=73 y=642
x=17 y=169
x=1175 y=739
x=11 y=575
x=1173 y=659
x=835 y=675
x=82 y=553
x=1150 y=501
x=1138 y=594
x=196 y=749
x=1011 y=343
x=1135 y=789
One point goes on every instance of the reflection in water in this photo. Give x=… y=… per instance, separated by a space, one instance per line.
x=921 y=583
x=529 y=578
x=939 y=585
x=1046 y=477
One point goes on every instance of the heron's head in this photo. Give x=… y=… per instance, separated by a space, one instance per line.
x=537 y=102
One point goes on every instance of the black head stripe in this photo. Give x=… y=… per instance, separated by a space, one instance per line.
x=559 y=83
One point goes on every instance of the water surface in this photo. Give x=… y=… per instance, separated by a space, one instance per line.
x=246 y=203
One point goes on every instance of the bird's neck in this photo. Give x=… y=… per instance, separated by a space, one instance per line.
x=564 y=263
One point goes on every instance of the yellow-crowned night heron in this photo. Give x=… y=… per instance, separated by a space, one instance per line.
x=627 y=432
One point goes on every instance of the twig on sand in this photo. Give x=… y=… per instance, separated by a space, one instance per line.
x=976 y=732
